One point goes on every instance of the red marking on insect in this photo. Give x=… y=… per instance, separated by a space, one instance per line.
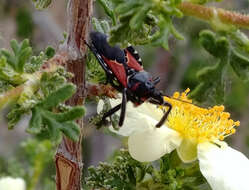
x=132 y=62
x=118 y=70
x=144 y=99
x=135 y=86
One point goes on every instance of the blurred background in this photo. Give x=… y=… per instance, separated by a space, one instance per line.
x=177 y=69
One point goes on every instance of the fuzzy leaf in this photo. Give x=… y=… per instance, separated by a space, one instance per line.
x=138 y=22
x=54 y=123
x=8 y=74
x=240 y=39
x=21 y=55
x=35 y=123
x=44 y=119
x=212 y=81
x=58 y=96
x=73 y=114
x=71 y=130
x=160 y=38
x=101 y=26
x=108 y=7
x=138 y=19
x=240 y=65
x=217 y=47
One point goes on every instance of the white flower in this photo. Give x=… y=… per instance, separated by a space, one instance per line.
x=196 y=133
x=9 y=183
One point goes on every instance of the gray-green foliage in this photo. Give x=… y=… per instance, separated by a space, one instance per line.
x=43 y=93
x=129 y=174
x=43 y=117
x=228 y=49
x=142 y=22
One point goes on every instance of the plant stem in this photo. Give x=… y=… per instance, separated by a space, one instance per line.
x=68 y=158
x=212 y=14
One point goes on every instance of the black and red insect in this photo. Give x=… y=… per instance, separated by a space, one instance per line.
x=124 y=71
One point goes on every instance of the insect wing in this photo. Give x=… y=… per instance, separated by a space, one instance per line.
x=133 y=60
x=118 y=70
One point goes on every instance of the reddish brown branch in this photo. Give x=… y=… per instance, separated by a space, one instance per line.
x=68 y=158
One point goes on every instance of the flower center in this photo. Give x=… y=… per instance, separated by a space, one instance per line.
x=198 y=124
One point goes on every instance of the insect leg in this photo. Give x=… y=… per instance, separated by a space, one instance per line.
x=156 y=80
x=123 y=107
x=161 y=122
x=111 y=111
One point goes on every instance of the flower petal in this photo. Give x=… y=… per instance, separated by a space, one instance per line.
x=134 y=122
x=100 y=106
x=150 y=110
x=224 y=168
x=153 y=143
x=187 y=151
x=9 y=183
x=134 y=117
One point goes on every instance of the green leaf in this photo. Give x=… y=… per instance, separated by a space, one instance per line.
x=240 y=65
x=58 y=96
x=212 y=84
x=73 y=114
x=43 y=119
x=55 y=123
x=23 y=57
x=127 y=6
x=50 y=82
x=71 y=130
x=212 y=78
x=53 y=127
x=15 y=47
x=218 y=47
x=160 y=38
x=98 y=26
x=240 y=39
x=8 y=74
x=138 y=22
x=20 y=57
x=35 y=123
x=138 y=19
x=108 y=7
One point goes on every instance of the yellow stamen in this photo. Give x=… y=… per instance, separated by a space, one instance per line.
x=199 y=124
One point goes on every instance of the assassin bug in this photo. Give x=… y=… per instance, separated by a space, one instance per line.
x=124 y=71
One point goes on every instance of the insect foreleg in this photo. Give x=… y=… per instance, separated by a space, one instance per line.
x=163 y=119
